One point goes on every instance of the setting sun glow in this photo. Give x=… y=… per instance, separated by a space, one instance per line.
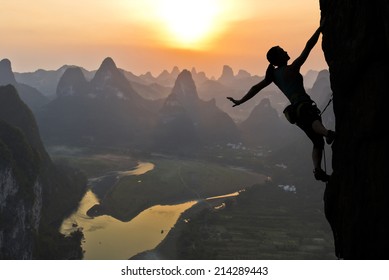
x=189 y=23
x=154 y=35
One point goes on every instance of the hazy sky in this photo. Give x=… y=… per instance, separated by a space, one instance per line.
x=152 y=35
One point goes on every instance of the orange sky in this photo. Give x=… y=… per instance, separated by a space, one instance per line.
x=152 y=35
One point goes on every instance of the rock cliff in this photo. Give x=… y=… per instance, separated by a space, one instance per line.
x=20 y=194
x=355 y=44
x=35 y=194
x=31 y=96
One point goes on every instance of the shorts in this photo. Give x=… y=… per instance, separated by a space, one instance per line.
x=306 y=115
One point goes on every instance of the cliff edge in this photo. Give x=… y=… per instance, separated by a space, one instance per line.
x=355 y=44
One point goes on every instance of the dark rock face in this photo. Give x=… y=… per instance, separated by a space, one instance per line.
x=20 y=194
x=35 y=194
x=356 y=43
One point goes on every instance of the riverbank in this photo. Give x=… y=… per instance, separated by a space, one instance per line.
x=93 y=163
x=168 y=248
x=110 y=239
x=264 y=222
x=173 y=181
x=149 y=225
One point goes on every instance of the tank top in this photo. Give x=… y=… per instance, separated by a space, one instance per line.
x=291 y=87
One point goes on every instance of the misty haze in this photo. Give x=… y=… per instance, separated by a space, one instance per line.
x=163 y=155
x=194 y=130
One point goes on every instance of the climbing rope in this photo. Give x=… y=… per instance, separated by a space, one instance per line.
x=328 y=104
x=324 y=150
x=324 y=159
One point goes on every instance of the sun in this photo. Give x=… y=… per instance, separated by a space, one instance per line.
x=190 y=23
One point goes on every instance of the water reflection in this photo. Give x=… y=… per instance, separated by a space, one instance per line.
x=142 y=168
x=108 y=238
x=224 y=196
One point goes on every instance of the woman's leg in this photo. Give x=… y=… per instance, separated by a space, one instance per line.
x=319 y=173
x=317 y=157
x=317 y=153
x=319 y=128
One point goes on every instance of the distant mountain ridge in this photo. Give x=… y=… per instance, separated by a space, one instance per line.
x=84 y=112
x=193 y=120
x=264 y=127
x=46 y=81
x=104 y=111
x=72 y=82
x=159 y=87
x=31 y=96
x=112 y=106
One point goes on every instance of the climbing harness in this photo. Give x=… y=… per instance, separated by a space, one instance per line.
x=292 y=111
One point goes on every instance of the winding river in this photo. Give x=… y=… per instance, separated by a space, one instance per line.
x=107 y=238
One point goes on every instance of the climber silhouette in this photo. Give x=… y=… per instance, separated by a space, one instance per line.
x=302 y=111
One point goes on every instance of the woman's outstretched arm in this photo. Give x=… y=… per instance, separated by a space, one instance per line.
x=256 y=88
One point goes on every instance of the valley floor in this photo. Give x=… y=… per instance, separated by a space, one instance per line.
x=266 y=221
x=263 y=223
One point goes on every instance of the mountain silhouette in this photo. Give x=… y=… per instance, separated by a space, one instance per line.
x=148 y=77
x=109 y=81
x=6 y=75
x=166 y=78
x=46 y=81
x=72 y=82
x=321 y=88
x=31 y=96
x=191 y=120
x=227 y=75
x=243 y=74
x=35 y=193
x=264 y=127
x=198 y=77
x=104 y=111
